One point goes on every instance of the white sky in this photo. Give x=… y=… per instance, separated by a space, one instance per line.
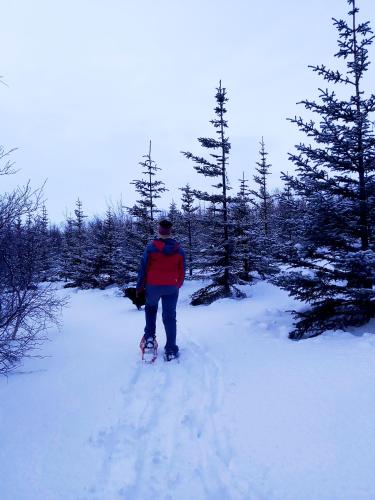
x=91 y=82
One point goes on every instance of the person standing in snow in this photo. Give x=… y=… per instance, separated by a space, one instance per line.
x=161 y=274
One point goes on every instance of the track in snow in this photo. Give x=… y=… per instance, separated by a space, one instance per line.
x=169 y=442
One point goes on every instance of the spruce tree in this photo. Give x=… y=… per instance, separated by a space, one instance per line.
x=78 y=252
x=45 y=249
x=123 y=247
x=288 y=221
x=262 y=194
x=149 y=190
x=188 y=224
x=263 y=230
x=242 y=226
x=219 y=253
x=56 y=245
x=143 y=212
x=175 y=216
x=104 y=241
x=334 y=264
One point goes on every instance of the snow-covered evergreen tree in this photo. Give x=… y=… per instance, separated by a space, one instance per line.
x=189 y=227
x=78 y=254
x=175 y=216
x=56 y=246
x=263 y=229
x=335 y=262
x=144 y=211
x=242 y=234
x=45 y=249
x=149 y=190
x=263 y=198
x=124 y=248
x=288 y=222
x=219 y=253
x=132 y=249
x=210 y=224
x=104 y=242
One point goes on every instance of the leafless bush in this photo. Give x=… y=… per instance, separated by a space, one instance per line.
x=25 y=315
x=27 y=307
x=18 y=204
x=7 y=166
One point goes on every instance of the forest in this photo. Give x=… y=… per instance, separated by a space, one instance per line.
x=314 y=236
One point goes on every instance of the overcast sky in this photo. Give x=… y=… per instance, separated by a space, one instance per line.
x=90 y=82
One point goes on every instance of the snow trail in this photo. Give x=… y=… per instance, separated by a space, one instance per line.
x=245 y=415
x=170 y=437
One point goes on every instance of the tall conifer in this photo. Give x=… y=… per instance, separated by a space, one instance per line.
x=219 y=253
x=149 y=190
x=335 y=261
x=189 y=226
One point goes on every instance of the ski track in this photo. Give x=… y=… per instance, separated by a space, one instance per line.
x=173 y=444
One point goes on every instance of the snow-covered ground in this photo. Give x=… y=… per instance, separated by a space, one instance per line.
x=246 y=414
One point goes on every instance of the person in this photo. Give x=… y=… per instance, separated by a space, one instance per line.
x=161 y=274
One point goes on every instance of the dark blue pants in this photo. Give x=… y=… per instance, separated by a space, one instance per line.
x=168 y=296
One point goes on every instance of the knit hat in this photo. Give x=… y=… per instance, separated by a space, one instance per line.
x=165 y=227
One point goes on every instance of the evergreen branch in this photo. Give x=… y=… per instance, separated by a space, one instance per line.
x=209 y=143
x=212 y=198
x=330 y=75
x=369 y=104
x=203 y=166
x=307 y=127
x=219 y=123
x=323 y=157
x=215 y=144
x=337 y=110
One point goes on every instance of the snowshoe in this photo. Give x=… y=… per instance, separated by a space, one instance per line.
x=149 y=349
x=169 y=356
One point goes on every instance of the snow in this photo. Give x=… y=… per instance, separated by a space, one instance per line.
x=245 y=414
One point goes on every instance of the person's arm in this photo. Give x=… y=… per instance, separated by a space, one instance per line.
x=181 y=268
x=142 y=272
